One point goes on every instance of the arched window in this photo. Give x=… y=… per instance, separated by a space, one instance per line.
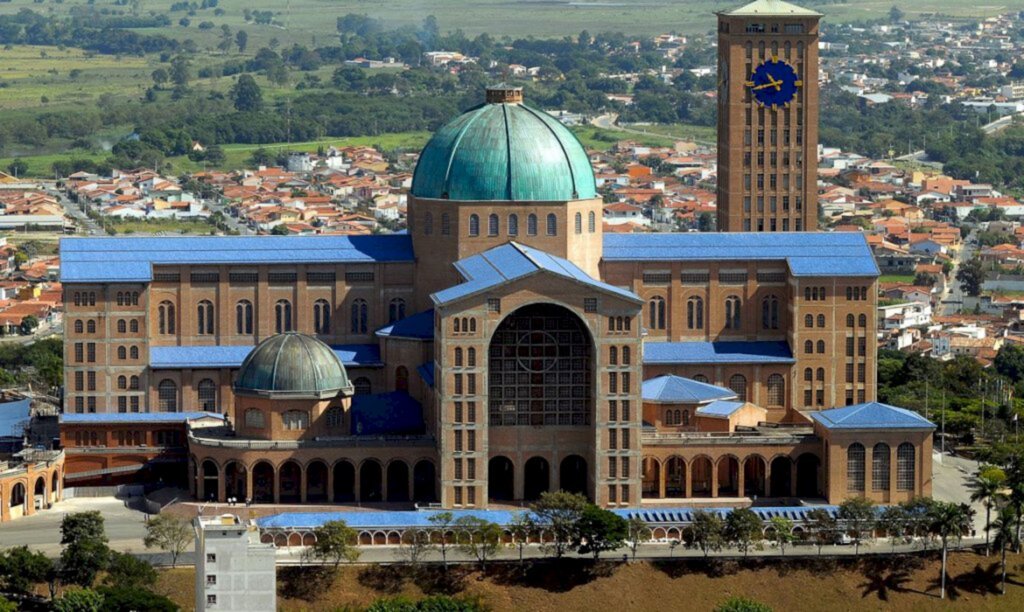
x=625 y=356
x=283 y=316
x=657 y=312
x=122 y=353
x=880 y=467
x=458 y=357
x=359 y=315
x=243 y=317
x=552 y=225
x=670 y=417
x=446 y=224
x=294 y=420
x=167 y=396
x=862 y=321
x=492 y=225
x=165 y=318
x=361 y=386
x=591 y=222
x=471 y=357
x=695 y=313
x=733 y=318
x=613 y=355
x=133 y=326
x=207 y=391
x=776 y=390
x=122 y=382
x=513 y=225
x=120 y=298
x=428 y=224
x=335 y=417
x=821 y=320
x=135 y=298
x=808 y=346
x=686 y=418
x=821 y=374
x=401 y=379
x=579 y=223
x=808 y=374
x=133 y=383
x=254 y=418
x=808 y=320
x=79 y=327
x=770 y=312
x=474 y=225
x=396 y=310
x=821 y=346
x=738 y=384
x=849 y=320
x=472 y=326
x=855 y=467
x=531 y=225
x=133 y=352
x=204 y=318
x=322 y=317
x=906 y=458
x=700 y=378
x=90 y=326
x=807 y=294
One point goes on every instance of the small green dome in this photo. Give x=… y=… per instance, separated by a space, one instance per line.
x=504 y=151
x=293 y=365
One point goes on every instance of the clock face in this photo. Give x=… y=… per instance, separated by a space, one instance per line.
x=774 y=83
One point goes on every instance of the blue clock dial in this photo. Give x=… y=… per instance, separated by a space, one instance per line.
x=774 y=83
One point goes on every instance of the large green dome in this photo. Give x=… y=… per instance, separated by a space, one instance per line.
x=293 y=365
x=504 y=151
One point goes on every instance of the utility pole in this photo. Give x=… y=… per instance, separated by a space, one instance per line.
x=942 y=440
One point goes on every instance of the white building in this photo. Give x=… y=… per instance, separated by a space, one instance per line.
x=234 y=571
x=902 y=316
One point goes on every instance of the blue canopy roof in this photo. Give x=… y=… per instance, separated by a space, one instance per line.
x=419 y=326
x=426 y=372
x=766 y=351
x=386 y=413
x=720 y=409
x=229 y=356
x=13 y=418
x=136 y=417
x=512 y=261
x=872 y=415
x=678 y=390
x=91 y=260
x=807 y=253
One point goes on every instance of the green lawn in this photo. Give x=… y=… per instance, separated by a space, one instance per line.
x=896 y=278
x=157 y=226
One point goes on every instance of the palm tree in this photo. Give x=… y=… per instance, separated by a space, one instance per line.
x=988 y=490
x=949 y=520
x=1006 y=536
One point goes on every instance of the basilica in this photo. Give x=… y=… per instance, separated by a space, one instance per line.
x=503 y=346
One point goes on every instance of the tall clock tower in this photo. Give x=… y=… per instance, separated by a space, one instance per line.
x=768 y=118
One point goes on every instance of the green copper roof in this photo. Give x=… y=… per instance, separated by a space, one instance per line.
x=504 y=151
x=292 y=365
x=770 y=8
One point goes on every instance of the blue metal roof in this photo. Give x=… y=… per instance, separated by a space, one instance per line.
x=14 y=417
x=673 y=389
x=386 y=413
x=410 y=518
x=807 y=253
x=872 y=415
x=229 y=356
x=419 y=326
x=512 y=261
x=720 y=409
x=766 y=351
x=136 y=417
x=426 y=372
x=90 y=260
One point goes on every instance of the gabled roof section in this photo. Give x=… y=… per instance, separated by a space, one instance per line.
x=806 y=253
x=671 y=389
x=770 y=8
x=95 y=260
x=766 y=351
x=513 y=261
x=721 y=409
x=419 y=326
x=872 y=415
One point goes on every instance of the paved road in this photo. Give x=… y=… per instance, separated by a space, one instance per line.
x=608 y=122
x=952 y=301
x=125 y=527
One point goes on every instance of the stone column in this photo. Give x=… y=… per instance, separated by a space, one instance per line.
x=714 y=480
x=741 y=480
x=221 y=485
x=357 y=488
x=689 y=480
x=330 y=483
x=792 y=478
x=277 y=486
x=302 y=484
x=661 y=478
x=383 y=482
x=248 y=483
x=767 y=478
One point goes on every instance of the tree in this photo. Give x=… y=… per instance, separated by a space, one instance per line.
x=895 y=14
x=708 y=531
x=948 y=520
x=638 y=533
x=558 y=513
x=742 y=604
x=160 y=77
x=246 y=94
x=241 y=40
x=18 y=167
x=181 y=71
x=126 y=570
x=414 y=546
x=215 y=155
x=857 y=516
x=824 y=526
x=705 y=222
x=131 y=599
x=441 y=524
x=7 y=606
x=335 y=541
x=971 y=276
x=782 y=532
x=78 y=600
x=21 y=568
x=743 y=528
x=85 y=548
x=169 y=533
x=522 y=527
x=893 y=520
x=987 y=489
x=28 y=325
x=599 y=530
x=1005 y=536
x=478 y=538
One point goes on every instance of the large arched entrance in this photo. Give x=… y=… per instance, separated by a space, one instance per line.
x=423 y=478
x=728 y=476
x=211 y=479
x=39 y=494
x=234 y=481
x=291 y=478
x=263 y=482
x=370 y=476
x=573 y=474
x=17 y=506
x=651 y=483
x=55 y=487
x=536 y=478
x=675 y=477
x=344 y=482
x=701 y=482
x=753 y=476
x=807 y=466
x=500 y=479
x=398 y=481
x=781 y=478
x=316 y=482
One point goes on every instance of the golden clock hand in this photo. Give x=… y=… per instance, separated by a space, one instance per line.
x=774 y=84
